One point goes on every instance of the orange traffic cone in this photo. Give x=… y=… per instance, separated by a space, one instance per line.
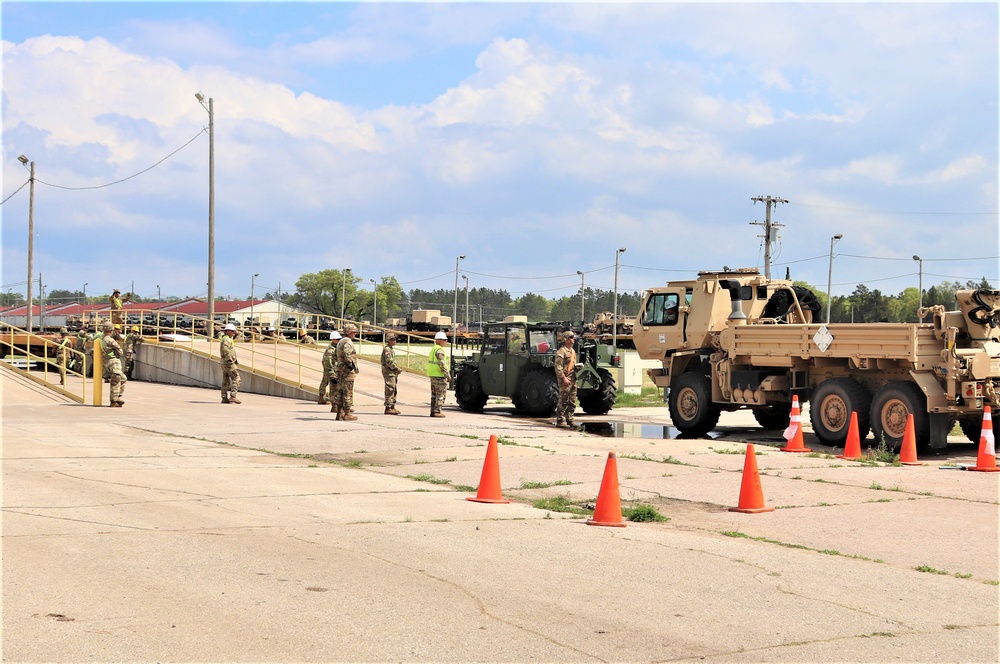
x=608 y=511
x=852 y=448
x=986 y=460
x=793 y=434
x=751 y=494
x=489 y=482
x=908 y=452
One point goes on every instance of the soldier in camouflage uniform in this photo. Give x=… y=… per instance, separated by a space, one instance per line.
x=304 y=338
x=566 y=380
x=112 y=353
x=347 y=369
x=329 y=371
x=438 y=373
x=117 y=304
x=230 y=365
x=131 y=347
x=390 y=370
x=62 y=354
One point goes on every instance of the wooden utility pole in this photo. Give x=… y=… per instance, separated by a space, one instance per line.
x=768 y=228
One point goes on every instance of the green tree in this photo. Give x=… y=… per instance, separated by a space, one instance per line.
x=535 y=307
x=63 y=296
x=325 y=291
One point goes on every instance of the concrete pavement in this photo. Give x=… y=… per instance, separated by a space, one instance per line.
x=181 y=529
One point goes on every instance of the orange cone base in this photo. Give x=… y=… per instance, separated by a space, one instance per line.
x=751 y=510
x=798 y=449
x=848 y=458
x=911 y=463
x=985 y=469
x=496 y=501
x=614 y=524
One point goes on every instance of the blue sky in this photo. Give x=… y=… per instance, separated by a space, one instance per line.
x=535 y=139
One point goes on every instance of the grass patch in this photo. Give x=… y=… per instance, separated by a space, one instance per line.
x=930 y=570
x=470 y=436
x=427 y=477
x=643 y=513
x=881 y=453
x=527 y=484
x=465 y=487
x=729 y=450
x=451 y=458
x=560 y=504
x=649 y=397
x=646 y=457
x=788 y=545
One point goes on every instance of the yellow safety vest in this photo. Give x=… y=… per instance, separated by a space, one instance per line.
x=434 y=369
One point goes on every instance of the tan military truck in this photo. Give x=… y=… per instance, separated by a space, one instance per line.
x=734 y=339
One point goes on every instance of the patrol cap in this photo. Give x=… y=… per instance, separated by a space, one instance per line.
x=108 y=327
x=350 y=327
x=63 y=330
x=569 y=334
x=390 y=337
x=117 y=291
x=441 y=335
x=230 y=326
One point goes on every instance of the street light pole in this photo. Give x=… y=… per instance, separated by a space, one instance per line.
x=454 y=309
x=343 y=295
x=158 y=298
x=374 y=302
x=85 y=292
x=211 y=210
x=582 y=292
x=31 y=232
x=920 y=285
x=253 y=280
x=829 y=278
x=614 y=318
x=467 y=317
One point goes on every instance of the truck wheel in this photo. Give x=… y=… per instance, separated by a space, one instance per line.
x=890 y=408
x=691 y=407
x=774 y=415
x=972 y=428
x=831 y=406
x=539 y=392
x=469 y=390
x=602 y=399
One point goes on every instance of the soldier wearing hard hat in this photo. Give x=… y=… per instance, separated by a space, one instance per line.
x=229 y=364
x=439 y=374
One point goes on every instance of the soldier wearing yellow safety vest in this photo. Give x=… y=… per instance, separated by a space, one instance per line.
x=438 y=373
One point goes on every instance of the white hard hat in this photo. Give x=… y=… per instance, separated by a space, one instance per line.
x=441 y=335
x=334 y=335
x=230 y=326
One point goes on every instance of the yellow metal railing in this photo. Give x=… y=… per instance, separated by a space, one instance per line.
x=269 y=357
x=17 y=347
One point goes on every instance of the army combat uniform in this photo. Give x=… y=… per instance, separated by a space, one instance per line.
x=329 y=373
x=440 y=378
x=347 y=369
x=132 y=342
x=565 y=366
x=111 y=352
x=230 y=369
x=62 y=355
x=390 y=371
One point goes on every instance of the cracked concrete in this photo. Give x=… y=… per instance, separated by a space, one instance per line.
x=179 y=529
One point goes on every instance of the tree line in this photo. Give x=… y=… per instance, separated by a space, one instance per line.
x=337 y=292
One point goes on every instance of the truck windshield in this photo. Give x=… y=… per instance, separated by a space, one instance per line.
x=661 y=309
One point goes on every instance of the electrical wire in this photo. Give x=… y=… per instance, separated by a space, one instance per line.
x=16 y=190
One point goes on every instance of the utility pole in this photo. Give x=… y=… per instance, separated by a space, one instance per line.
x=768 y=228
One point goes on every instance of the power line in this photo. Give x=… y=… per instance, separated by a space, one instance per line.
x=959 y=214
x=26 y=182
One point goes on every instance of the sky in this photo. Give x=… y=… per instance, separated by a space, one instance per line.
x=534 y=139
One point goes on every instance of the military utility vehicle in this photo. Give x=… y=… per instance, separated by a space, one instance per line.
x=517 y=360
x=735 y=339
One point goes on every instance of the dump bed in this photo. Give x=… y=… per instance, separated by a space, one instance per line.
x=781 y=345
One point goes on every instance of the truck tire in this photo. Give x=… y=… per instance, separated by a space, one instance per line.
x=691 y=408
x=774 y=415
x=972 y=428
x=601 y=400
x=539 y=392
x=890 y=408
x=831 y=406
x=469 y=390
